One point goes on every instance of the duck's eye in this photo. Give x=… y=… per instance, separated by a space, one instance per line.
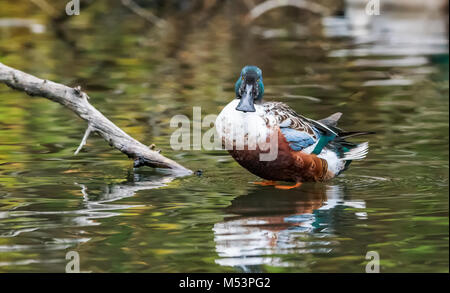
x=242 y=77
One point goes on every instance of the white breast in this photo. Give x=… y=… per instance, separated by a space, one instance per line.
x=243 y=128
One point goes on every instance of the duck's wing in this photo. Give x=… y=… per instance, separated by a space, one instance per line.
x=302 y=132
x=299 y=131
x=335 y=138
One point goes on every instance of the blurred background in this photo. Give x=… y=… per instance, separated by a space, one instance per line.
x=142 y=62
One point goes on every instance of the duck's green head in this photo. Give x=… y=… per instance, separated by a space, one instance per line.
x=249 y=88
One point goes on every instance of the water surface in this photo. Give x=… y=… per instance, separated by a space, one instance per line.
x=390 y=77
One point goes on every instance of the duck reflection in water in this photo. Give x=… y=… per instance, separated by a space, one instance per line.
x=266 y=224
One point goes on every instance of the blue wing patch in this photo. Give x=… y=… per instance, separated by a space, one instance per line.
x=298 y=140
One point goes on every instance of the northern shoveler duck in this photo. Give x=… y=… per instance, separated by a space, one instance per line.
x=305 y=149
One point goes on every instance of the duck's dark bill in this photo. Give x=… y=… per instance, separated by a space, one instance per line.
x=246 y=103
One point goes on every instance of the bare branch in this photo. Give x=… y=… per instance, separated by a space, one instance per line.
x=145 y=14
x=266 y=6
x=46 y=7
x=83 y=141
x=77 y=101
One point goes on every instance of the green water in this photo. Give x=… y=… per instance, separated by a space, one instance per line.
x=387 y=80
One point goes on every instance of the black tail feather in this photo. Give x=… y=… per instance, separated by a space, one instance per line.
x=349 y=134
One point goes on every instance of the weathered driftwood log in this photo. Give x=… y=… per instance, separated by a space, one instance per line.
x=77 y=101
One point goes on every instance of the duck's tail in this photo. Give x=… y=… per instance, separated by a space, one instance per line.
x=348 y=151
x=359 y=152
